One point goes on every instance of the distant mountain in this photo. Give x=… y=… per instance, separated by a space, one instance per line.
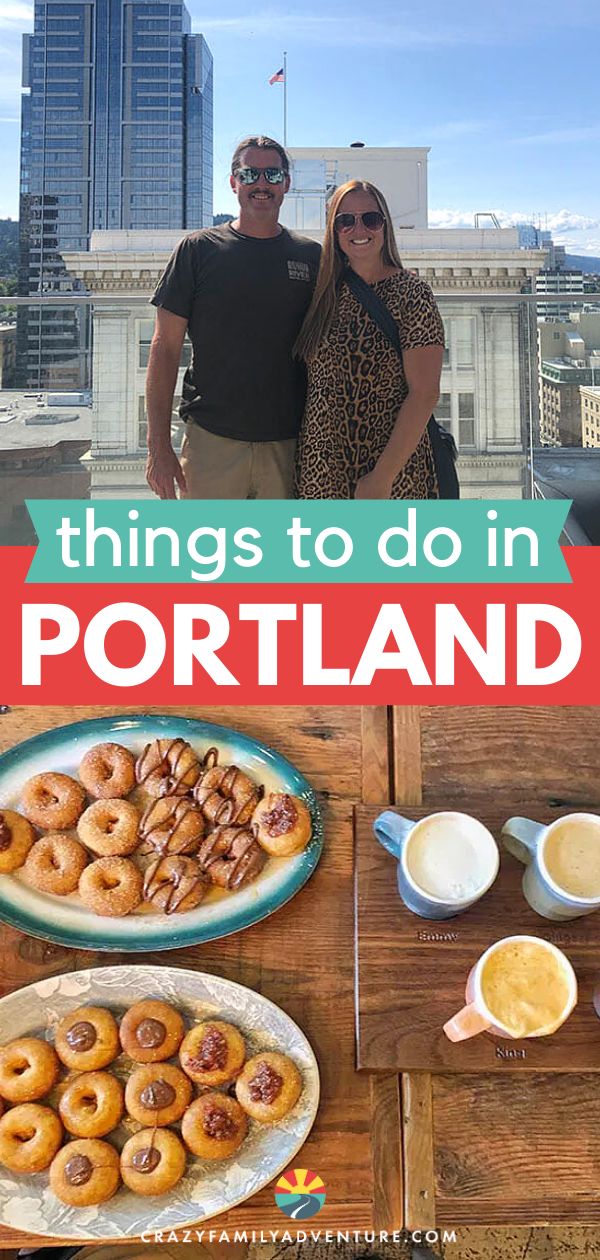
x=583 y=262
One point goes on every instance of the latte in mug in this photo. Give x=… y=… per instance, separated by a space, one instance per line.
x=526 y=987
x=572 y=855
x=451 y=856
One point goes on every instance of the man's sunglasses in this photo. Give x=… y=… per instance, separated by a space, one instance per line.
x=371 y=219
x=251 y=174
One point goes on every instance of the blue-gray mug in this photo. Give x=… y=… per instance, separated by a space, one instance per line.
x=562 y=863
x=446 y=861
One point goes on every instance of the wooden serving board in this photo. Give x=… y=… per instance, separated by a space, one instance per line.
x=411 y=972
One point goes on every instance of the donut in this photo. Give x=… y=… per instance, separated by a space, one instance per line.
x=212 y=1052
x=28 y=1069
x=282 y=824
x=16 y=838
x=171 y=825
x=175 y=884
x=111 y=886
x=268 y=1086
x=91 y=1104
x=53 y=802
x=214 y=1127
x=167 y=767
x=152 y=1161
x=151 y=1031
x=87 y=1039
x=231 y=857
x=85 y=1172
x=55 y=863
x=110 y=828
x=30 y=1136
x=225 y=793
x=108 y=771
x=157 y=1094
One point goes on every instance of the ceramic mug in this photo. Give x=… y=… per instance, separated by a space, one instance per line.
x=562 y=863
x=446 y=861
x=513 y=986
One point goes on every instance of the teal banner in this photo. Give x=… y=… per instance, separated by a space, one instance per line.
x=280 y=541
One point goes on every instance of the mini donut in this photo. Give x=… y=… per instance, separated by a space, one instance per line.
x=28 y=1069
x=108 y=771
x=111 y=886
x=231 y=857
x=110 y=828
x=214 y=1127
x=53 y=802
x=282 y=824
x=16 y=838
x=30 y=1136
x=212 y=1052
x=151 y=1031
x=85 y=1172
x=55 y=863
x=268 y=1086
x=87 y=1039
x=92 y=1104
x=175 y=884
x=152 y=1161
x=167 y=767
x=225 y=794
x=171 y=825
x=157 y=1094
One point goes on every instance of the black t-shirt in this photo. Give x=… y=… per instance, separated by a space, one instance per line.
x=244 y=299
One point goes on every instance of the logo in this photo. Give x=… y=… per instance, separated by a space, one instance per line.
x=298 y=270
x=300 y=1193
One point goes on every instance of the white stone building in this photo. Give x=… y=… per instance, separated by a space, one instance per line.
x=401 y=174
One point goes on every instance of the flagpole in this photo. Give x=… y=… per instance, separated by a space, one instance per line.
x=285 y=100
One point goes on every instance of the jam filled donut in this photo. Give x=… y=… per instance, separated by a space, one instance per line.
x=108 y=771
x=175 y=884
x=16 y=838
x=55 y=864
x=111 y=886
x=151 y=1031
x=28 y=1069
x=87 y=1039
x=167 y=767
x=30 y=1136
x=212 y=1053
x=231 y=857
x=282 y=824
x=92 y=1104
x=214 y=1127
x=53 y=802
x=152 y=1161
x=157 y=1094
x=110 y=828
x=268 y=1087
x=171 y=825
x=85 y=1172
x=225 y=794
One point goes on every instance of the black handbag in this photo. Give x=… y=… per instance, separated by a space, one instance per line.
x=443 y=445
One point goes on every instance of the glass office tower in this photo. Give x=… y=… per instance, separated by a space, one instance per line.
x=116 y=134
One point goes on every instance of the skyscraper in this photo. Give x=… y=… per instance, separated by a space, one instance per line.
x=116 y=133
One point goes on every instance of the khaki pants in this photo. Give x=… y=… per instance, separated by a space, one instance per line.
x=222 y=468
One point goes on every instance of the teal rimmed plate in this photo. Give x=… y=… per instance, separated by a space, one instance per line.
x=66 y=921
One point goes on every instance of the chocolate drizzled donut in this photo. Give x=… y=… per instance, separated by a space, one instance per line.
x=168 y=767
x=175 y=884
x=226 y=795
x=231 y=857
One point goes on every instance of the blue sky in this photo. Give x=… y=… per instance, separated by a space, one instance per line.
x=506 y=96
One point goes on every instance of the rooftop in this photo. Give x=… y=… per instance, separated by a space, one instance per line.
x=26 y=421
x=572 y=473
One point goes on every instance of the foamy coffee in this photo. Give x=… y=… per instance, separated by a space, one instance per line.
x=571 y=855
x=451 y=856
x=526 y=986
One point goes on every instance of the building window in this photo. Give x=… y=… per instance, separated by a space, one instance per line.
x=177 y=427
x=466 y=420
x=443 y=408
x=146 y=333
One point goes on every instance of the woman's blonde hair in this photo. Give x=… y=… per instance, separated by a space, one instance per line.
x=319 y=315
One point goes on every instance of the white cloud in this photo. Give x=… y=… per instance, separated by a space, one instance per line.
x=328 y=29
x=14 y=15
x=578 y=232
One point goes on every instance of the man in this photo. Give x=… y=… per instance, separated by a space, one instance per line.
x=241 y=291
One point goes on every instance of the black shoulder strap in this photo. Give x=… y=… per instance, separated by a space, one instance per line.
x=375 y=307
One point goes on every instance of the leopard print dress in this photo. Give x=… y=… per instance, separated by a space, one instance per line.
x=355 y=388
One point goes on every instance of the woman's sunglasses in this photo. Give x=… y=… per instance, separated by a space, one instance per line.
x=371 y=219
x=251 y=174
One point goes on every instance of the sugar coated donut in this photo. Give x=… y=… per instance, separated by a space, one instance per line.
x=110 y=828
x=16 y=838
x=282 y=824
x=30 y=1136
x=231 y=857
x=212 y=1052
x=91 y=1104
x=151 y=1031
x=152 y=1161
x=111 y=886
x=108 y=771
x=226 y=795
x=84 y=1172
x=157 y=1094
x=28 y=1069
x=214 y=1127
x=167 y=767
x=55 y=863
x=53 y=802
x=171 y=825
x=87 y=1039
x=268 y=1086
x=175 y=884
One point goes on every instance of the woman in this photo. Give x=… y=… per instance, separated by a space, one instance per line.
x=364 y=433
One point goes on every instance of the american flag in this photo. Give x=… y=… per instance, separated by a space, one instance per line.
x=277 y=78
